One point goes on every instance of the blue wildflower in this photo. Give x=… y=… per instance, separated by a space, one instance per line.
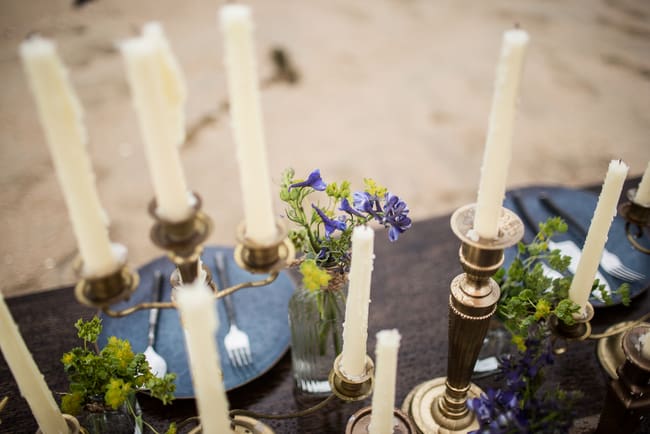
x=330 y=224
x=395 y=216
x=313 y=180
x=346 y=207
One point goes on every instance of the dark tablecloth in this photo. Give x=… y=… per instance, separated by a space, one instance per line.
x=410 y=292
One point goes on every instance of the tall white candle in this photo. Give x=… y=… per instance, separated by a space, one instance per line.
x=30 y=380
x=498 y=146
x=355 y=327
x=246 y=113
x=597 y=236
x=642 y=196
x=383 y=395
x=158 y=96
x=198 y=311
x=60 y=114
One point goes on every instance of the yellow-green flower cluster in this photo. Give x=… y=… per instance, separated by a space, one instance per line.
x=314 y=277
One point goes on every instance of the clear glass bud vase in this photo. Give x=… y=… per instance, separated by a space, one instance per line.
x=120 y=421
x=316 y=322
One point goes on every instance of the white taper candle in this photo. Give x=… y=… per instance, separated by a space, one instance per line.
x=247 y=124
x=383 y=395
x=355 y=327
x=642 y=196
x=198 y=311
x=60 y=114
x=498 y=146
x=158 y=92
x=30 y=380
x=592 y=250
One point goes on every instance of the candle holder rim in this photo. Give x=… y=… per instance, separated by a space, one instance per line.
x=629 y=342
x=337 y=378
x=511 y=230
x=365 y=412
x=131 y=280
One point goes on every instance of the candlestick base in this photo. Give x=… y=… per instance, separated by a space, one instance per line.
x=101 y=292
x=264 y=258
x=636 y=217
x=422 y=404
x=359 y=422
x=351 y=389
x=73 y=425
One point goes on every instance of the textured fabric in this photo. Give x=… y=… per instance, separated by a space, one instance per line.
x=410 y=292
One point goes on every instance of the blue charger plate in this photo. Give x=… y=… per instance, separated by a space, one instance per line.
x=261 y=312
x=580 y=205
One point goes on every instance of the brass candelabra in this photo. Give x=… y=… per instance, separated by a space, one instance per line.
x=440 y=404
x=637 y=221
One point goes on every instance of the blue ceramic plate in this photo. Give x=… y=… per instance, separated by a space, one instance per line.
x=261 y=312
x=580 y=205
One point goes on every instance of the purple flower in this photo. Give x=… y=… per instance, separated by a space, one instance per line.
x=346 y=207
x=313 y=180
x=330 y=224
x=395 y=216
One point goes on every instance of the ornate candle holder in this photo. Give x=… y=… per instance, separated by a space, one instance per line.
x=637 y=219
x=102 y=291
x=441 y=403
x=242 y=425
x=628 y=397
x=182 y=240
x=350 y=389
x=360 y=421
x=264 y=258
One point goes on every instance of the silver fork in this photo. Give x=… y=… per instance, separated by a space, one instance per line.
x=236 y=341
x=610 y=262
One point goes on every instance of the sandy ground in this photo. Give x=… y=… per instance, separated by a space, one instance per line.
x=397 y=90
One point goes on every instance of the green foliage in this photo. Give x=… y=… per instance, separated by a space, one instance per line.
x=110 y=376
x=528 y=297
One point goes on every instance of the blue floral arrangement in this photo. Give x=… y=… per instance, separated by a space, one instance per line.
x=524 y=405
x=323 y=231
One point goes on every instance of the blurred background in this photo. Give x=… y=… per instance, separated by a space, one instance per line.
x=396 y=90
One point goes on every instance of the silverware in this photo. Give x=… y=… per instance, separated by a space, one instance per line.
x=157 y=363
x=567 y=248
x=236 y=341
x=610 y=262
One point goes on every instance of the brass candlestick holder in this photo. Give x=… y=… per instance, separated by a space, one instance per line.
x=182 y=240
x=264 y=258
x=241 y=425
x=637 y=220
x=628 y=396
x=350 y=389
x=359 y=422
x=102 y=291
x=440 y=404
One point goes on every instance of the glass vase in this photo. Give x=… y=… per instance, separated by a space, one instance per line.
x=316 y=323
x=109 y=421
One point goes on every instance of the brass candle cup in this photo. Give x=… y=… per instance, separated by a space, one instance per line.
x=350 y=389
x=73 y=425
x=102 y=291
x=579 y=330
x=359 y=422
x=440 y=404
x=637 y=219
x=264 y=258
x=182 y=240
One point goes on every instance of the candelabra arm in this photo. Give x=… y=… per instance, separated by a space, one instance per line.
x=142 y=306
x=253 y=284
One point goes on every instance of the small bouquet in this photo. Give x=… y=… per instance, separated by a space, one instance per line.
x=324 y=228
